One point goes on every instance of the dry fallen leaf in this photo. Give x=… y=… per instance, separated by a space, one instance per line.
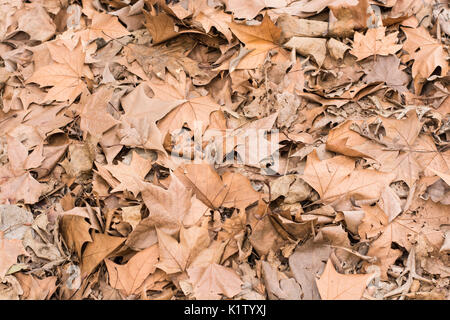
x=430 y=55
x=260 y=39
x=75 y=231
x=130 y=176
x=335 y=286
x=64 y=75
x=130 y=276
x=100 y=248
x=36 y=289
x=176 y=256
x=10 y=249
x=214 y=280
x=375 y=42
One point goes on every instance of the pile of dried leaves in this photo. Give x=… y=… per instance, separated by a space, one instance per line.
x=96 y=95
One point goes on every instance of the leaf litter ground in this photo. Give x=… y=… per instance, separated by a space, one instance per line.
x=224 y=149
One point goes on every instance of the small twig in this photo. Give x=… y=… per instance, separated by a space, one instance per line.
x=359 y=255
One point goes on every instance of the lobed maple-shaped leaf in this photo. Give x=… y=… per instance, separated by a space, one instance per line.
x=336 y=179
x=386 y=69
x=105 y=26
x=342 y=139
x=139 y=127
x=336 y=286
x=214 y=280
x=16 y=183
x=401 y=151
x=327 y=176
x=431 y=54
x=94 y=109
x=260 y=39
x=205 y=182
x=239 y=191
x=130 y=276
x=176 y=256
x=429 y=158
x=209 y=17
x=424 y=218
x=374 y=42
x=130 y=176
x=167 y=207
x=194 y=110
x=401 y=135
x=65 y=75
x=232 y=190
x=170 y=56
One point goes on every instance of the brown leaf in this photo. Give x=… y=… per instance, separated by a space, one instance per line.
x=284 y=289
x=161 y=26
x=104 y=26
x=176 y=256
x=34 y=20
x=167 y=208
x=306 y=262
x=430 y=55
x=373 y=222
x=10 y=249
x=75 y=231
x=209 y=17
x=64 y=75
x=315 y=47
x=205 y=182
x=101 y=247
x=191 y=110
x=347 y=15
x=382 y=250
x=36 y=289
x=23 y=187
x=374 y=42
x=386 y=69
x=260 y=39
x=130 y=276
x=336 y=179
x=131 y=177
x=248 y=10
x=214 y=280
x=336 y=286
x=239 y=191
x=94 y=109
